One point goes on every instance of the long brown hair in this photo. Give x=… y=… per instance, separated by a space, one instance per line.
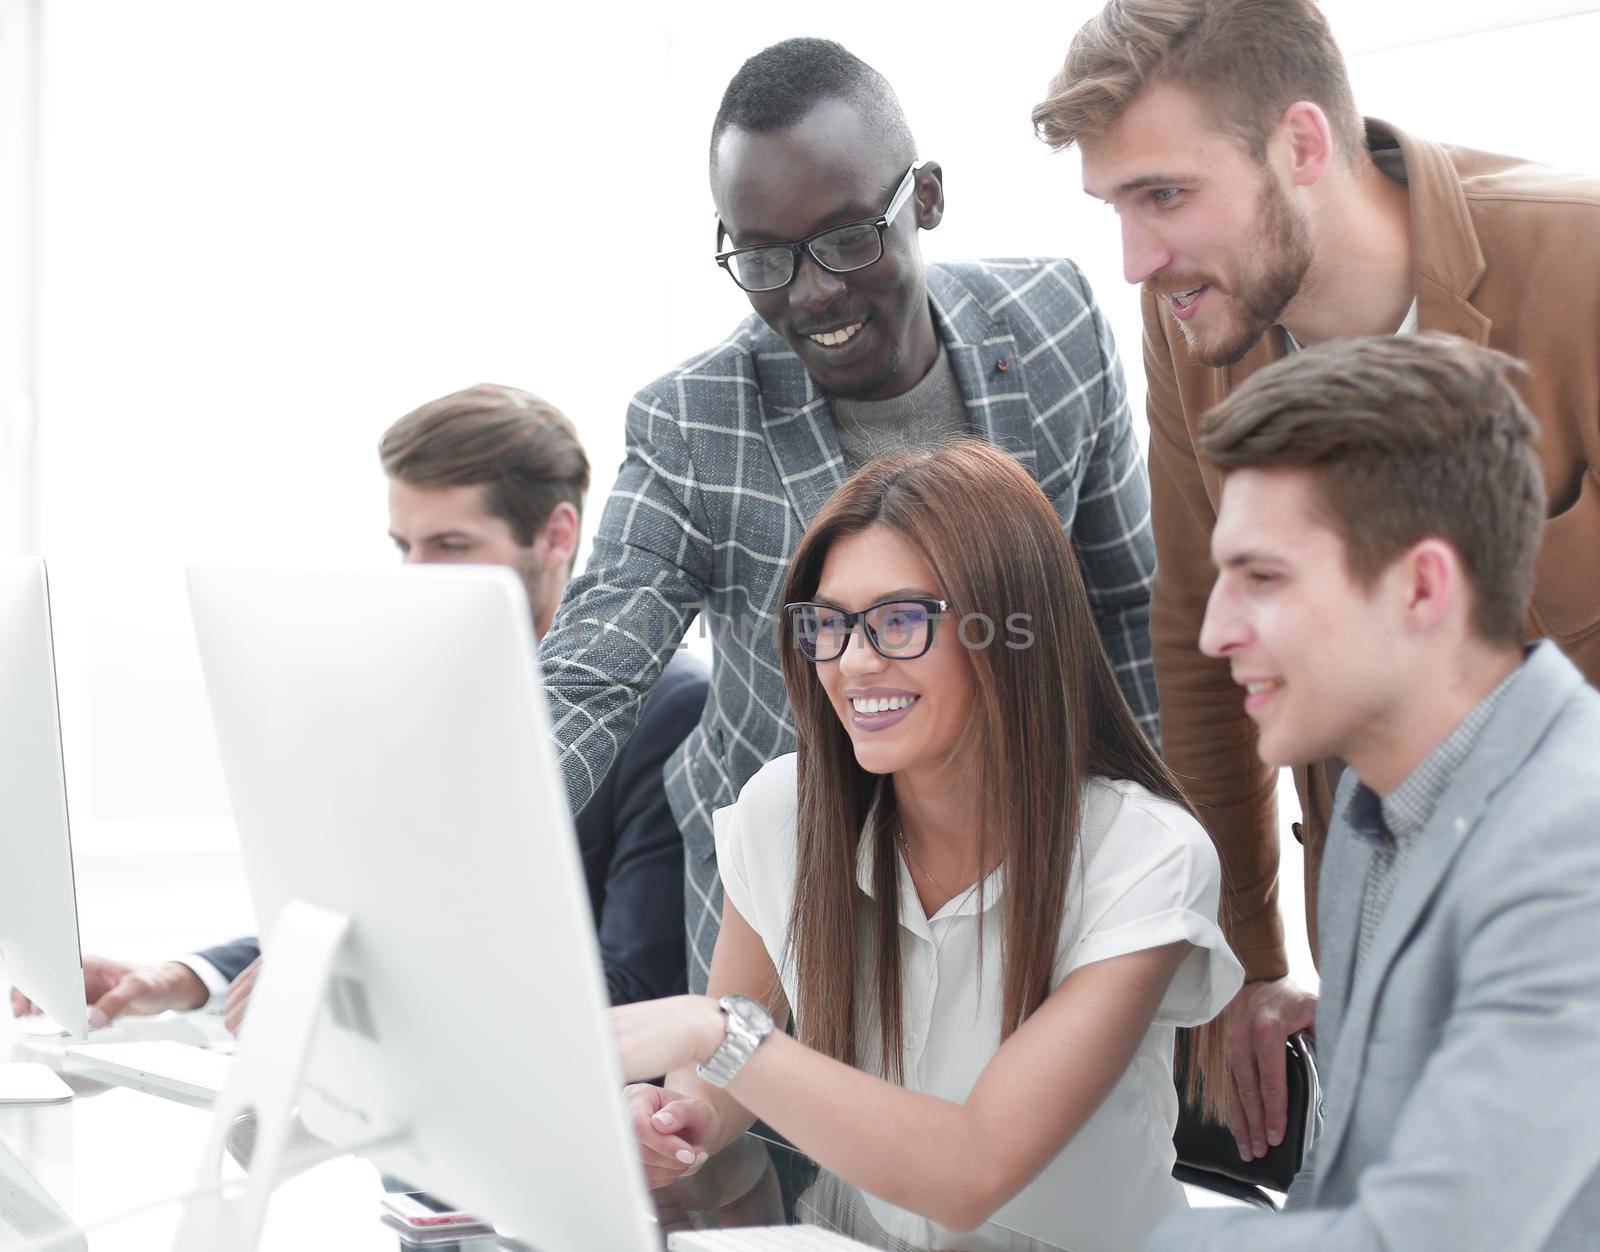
x=1047 y=714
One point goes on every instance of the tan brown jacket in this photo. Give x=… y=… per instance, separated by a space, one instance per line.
x=1505 y=253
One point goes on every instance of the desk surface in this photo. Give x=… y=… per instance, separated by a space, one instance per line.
x=83 y=1170
x=758 y=1181
x=77 y=1166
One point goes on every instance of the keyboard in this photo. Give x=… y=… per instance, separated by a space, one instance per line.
x=41 y=1033
x=159 y=1066
x=764 y=1239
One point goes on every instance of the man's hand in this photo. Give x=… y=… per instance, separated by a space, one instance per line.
x=112 y=988
x=239 y=996
x=1256 y=1027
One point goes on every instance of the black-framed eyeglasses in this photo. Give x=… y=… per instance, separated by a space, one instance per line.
x=898 y=630
x=839 y=249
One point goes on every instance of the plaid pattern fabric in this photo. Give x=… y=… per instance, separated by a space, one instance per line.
x=1394 y=823
x=729 y=458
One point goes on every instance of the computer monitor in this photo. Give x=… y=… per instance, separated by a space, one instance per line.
x=387 y=754
x=39 y=950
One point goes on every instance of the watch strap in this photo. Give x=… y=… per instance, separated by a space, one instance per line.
x=739 y=1042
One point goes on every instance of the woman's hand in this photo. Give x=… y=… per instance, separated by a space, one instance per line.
x=673 y=1131
x=659 y=1036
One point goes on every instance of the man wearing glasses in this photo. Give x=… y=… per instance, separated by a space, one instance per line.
x=856 y=349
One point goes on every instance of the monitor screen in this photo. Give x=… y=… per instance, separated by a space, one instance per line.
x=388 y=759
x=39 y=950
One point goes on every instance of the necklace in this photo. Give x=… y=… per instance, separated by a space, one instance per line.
x=912 y=857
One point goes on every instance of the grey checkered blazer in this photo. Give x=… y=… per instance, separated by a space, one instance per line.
x=729 y=458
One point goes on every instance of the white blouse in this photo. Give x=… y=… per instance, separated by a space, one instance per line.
x=1146 y=875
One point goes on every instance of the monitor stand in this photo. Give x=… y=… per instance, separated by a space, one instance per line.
x=268 y=1069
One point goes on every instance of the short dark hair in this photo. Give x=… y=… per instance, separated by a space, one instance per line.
x=1406 y=437
x=521 y=449
x=780 y=85
x=1246 y=60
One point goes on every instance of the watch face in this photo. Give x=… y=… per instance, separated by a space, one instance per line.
x=749 y=1012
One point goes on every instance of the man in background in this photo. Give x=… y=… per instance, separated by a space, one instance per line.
x=1261 y=213
x=496 y=476
x=1376 y=544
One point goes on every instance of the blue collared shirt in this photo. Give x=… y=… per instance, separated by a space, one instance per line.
x=1393 y=823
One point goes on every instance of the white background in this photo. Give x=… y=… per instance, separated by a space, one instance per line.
x=254 y=235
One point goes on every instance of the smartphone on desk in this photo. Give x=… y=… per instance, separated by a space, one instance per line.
x=422 y=1219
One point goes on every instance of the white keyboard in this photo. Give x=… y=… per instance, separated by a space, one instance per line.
x=764 y=1239
x=159 y=1066
x=201 y=1029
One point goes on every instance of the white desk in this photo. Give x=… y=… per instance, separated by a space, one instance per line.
x=111 y=1150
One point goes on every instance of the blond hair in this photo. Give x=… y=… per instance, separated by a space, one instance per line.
x=1246 y=60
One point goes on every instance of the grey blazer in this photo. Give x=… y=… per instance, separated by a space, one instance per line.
x=1461 y=1062
x=729 y=458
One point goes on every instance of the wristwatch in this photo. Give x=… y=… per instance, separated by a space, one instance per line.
x=747 y=1024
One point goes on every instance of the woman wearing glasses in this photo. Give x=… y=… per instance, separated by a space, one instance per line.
x=974 y=885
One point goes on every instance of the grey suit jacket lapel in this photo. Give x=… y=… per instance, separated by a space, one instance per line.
x=1346 y=862
x=983 y=354
x=799 y=427
x=1526 y=711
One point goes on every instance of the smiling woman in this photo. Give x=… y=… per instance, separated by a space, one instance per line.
x=975 y=886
